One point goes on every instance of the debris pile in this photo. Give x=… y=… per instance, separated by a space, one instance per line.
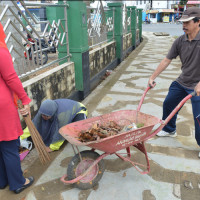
x=100 y=131
x=110 y=128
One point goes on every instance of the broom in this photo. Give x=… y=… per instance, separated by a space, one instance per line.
x=36 y=137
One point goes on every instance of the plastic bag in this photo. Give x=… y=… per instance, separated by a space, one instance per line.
x=129 y=127
x=26 y=144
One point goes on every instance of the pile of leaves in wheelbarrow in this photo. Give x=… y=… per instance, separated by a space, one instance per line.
x=97 y=131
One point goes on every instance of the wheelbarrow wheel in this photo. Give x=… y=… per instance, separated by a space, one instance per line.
x=77 y=167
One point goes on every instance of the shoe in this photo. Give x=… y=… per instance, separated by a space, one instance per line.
x=166 y=134
x=31 y=179
x=199 y=154
x=1 y=188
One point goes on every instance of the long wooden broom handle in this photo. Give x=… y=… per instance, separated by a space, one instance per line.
x=20 y=106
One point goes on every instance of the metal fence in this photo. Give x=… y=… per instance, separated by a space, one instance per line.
x=99 y=25
x=26 y=43
x=126 y=20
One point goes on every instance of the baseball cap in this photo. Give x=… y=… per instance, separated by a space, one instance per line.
x=189 y=14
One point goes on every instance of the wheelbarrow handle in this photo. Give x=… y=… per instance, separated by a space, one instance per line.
x=142 y=98
x=176 y=109
x=149 y=87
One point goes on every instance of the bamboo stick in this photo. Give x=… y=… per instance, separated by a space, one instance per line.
x=36 y=137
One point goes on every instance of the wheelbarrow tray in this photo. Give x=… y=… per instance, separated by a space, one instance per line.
x=117 y=142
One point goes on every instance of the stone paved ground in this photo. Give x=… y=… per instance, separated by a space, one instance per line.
x=172 y=160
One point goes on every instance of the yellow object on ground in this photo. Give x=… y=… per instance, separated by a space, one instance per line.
x=56 y=146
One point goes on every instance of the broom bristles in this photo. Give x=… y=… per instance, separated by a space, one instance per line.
x=37 y=140
x=36 y=137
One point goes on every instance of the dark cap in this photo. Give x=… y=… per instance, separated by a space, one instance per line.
x=189 y=14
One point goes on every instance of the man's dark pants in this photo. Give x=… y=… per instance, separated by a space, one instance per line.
x=175 y=95
x=10 y=166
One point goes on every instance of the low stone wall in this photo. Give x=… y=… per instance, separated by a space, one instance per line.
x=58 y=82
x=127 y=41
x=137 y=36
x=100 y=57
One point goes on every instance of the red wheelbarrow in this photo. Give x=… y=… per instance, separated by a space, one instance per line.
x=86 y=168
